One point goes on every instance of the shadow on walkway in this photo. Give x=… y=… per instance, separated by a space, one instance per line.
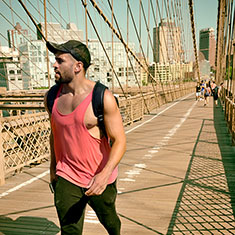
x=206 y=202
x=27 y=225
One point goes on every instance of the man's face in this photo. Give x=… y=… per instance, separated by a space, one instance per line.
x=64 y=67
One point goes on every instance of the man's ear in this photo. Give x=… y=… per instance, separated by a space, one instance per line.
x=78 y=67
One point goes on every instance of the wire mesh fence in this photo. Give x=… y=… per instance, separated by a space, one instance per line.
x=25 y=132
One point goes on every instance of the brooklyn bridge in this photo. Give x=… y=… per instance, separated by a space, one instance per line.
x=177 y=175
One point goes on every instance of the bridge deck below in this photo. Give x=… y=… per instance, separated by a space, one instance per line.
x=177 y=177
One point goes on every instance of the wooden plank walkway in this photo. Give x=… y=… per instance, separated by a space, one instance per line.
x=177 y=177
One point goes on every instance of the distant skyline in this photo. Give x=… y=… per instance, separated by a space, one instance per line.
x=205 y=15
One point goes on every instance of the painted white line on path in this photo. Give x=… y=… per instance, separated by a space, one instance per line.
x=164 y=110
x=91 y=217
x=47 y=172
x=133 y=172
x=24 y=184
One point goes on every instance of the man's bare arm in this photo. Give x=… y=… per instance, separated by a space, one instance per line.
x=52 y=152
x=114 y=128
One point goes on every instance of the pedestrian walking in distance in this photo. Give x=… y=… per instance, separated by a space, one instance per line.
x=207 y=93
x=215 y=91
x=198 y=91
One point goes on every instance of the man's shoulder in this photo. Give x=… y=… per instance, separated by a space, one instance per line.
x=50 y=96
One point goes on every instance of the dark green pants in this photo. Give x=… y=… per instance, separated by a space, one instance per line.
x=70 y=202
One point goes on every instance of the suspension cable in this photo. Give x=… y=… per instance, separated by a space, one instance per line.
x=130 y=62
x=117 y=34
x=190 y=2
x=88 y=14
x=30 y=16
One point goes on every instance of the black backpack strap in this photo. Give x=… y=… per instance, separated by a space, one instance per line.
x=51 y=95
x=98 y=104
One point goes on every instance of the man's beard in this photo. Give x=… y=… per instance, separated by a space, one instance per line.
x=62 y=81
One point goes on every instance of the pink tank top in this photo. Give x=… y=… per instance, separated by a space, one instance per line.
x=79 y=155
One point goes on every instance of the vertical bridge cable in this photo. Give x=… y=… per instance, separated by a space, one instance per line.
x=88 y=14
x=190 y=2
x=220 y=38
x=172 y=31
x=164 y=42
x=228 y=42
x=118 y=35
x=19 y=52
x=233 y=44
x=26 y=10
x=130 y=60
x=27 y=39
x=138 y=36
x=47 y=54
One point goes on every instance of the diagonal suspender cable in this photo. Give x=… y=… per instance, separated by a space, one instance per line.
x=19 y=66
x=118 y=35
x=59 y=14
x=146 y=24
x=35 y=24
x=44 y=21
x=180 y=23
x=20 y=51
x=12 y=10
x=5 y=77
x=138 y=36
x=140 y=47
x=190 y=2
x=130 y=61
x=17 y=48
x=142 y=8
x=88 y=14
x=176 y=47
x=164 y=36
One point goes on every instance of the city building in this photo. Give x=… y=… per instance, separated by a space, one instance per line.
x=33 y=62
x=167 y=43
x=142 y=71
x=56 y=33
x=10 y=70
x=171 y=72
x=161 y=72
x=101 y=69
x=204 y=68
x=207 y=45
x=17 y=36
x=32 y=58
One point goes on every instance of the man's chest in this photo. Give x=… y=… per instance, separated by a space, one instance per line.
x=79 y=108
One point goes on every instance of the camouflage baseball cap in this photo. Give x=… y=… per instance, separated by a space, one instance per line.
x=76 y=48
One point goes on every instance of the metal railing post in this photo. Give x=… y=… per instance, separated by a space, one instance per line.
x=2 y=170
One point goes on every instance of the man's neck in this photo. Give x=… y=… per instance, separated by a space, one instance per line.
x=78 y=86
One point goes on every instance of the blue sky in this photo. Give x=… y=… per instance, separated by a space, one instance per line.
x=205 y=15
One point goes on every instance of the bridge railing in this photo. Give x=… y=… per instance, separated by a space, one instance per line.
x=25 y=127
x=229 y=111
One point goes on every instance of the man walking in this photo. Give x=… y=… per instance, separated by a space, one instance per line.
x=215 y=91
x=83 y=166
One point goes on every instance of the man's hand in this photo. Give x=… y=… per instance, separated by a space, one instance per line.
x=53 y=176
x=97 y=185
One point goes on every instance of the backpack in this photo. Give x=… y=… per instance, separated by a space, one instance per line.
x=97 y=102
